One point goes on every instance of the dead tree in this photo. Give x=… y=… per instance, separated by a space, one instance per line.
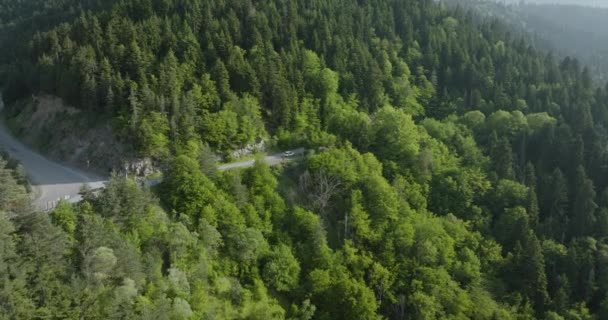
x=319 y=187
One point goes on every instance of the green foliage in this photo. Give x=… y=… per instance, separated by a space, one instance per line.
x=451 y=170
x=282 y=269
x=395 y=136
x=65 y=217
x=152 y=135
x=584 y=206
x=187 y=188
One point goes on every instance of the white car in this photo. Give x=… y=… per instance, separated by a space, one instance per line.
x=288 y=154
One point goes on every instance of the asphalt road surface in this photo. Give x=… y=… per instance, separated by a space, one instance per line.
x=52 y=181
x=272 y=160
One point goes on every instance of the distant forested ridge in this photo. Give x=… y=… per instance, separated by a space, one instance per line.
x=454 y=171
x=571 y=30
x=586 y=3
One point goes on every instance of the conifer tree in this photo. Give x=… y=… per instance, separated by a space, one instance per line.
x=583 y=209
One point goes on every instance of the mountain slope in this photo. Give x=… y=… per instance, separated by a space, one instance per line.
x=454 y=170
x=568 y=30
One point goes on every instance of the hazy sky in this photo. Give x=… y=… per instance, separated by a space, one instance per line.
x=593 y=3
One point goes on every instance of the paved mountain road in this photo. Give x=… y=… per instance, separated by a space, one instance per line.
x=52 y=181
x=272 y=160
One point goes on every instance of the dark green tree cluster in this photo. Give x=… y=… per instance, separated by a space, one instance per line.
x=461 y=176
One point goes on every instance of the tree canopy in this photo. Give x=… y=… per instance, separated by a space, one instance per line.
x=452 y=171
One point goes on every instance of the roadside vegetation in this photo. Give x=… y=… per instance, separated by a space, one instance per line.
x=458 y=172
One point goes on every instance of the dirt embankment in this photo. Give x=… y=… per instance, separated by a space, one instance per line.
x=66 y=134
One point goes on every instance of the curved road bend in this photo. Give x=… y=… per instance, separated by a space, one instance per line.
x=51 y=181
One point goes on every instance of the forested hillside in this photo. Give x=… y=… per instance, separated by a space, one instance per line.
x=574 y=30
x=571 y=30
x=453 y=172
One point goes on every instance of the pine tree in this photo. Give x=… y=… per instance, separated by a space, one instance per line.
x=556 y=222
x=532 y=200
x=530 y=176
x=530 y=265
x=501 y=153
x=222 y=79
x=532 y=208
x=584 y=206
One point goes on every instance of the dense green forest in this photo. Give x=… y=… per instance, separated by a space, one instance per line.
x=453 y=171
